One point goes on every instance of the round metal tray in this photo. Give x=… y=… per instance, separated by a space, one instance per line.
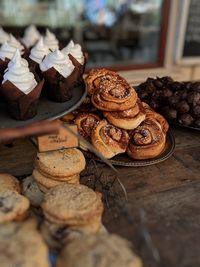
x=125 y=160
x=47 y=110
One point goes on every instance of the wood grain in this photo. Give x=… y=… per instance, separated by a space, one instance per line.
x=168 y=193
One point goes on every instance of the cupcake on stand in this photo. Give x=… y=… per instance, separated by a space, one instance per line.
x=60 y=76
x=37 y=54
x=31 y=36
x=51 y=41
x=21 y=89
x=76 y=55
x=7 y=51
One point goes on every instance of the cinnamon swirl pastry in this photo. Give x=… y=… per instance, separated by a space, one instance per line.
x=151 y=114
x=108 y=139
x=128 y=119
x=85 y=123
x=96 y=76
x=146 y=141
x=114 y=96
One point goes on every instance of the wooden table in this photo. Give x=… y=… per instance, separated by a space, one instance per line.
x=167 y=193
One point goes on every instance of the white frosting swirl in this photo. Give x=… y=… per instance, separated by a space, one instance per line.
x=75 y=50
x=51 y=41
x=17 y=57
x=6 y=51
x=39 y=51
x=19 y=74
x=4 y=36
x=31 y=36
x=58 y=61
x=16 y=44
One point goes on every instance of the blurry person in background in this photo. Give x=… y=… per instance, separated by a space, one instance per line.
x=97 y=12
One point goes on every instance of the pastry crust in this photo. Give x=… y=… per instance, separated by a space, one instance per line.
x=95 y=76
x=151 y=114
x=109 y=140
x=146 y=141
x=114 y=96
x=128 y=119
x=85 y=123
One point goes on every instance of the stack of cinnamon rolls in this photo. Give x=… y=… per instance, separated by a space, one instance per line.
x=115 y=121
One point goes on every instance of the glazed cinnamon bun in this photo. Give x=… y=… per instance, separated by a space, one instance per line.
x=108 y=139
x=85 y=123
x=151 y=114
x=128 y=119
x=114 y=96
x=147 y=140
x=96 y=76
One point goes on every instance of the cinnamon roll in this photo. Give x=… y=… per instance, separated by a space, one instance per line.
x=128 y=119
x=151 y=114
x=147 y=140
x=95 y=76
x=85 y=123
x=108 y=139
x=114 y=96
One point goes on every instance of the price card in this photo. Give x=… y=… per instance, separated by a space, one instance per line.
x=64 y=139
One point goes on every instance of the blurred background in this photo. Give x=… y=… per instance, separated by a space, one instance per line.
x=113 y=32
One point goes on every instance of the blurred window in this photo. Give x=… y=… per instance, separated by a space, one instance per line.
x=124 y=33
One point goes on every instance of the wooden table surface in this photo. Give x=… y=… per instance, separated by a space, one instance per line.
x=166 y=195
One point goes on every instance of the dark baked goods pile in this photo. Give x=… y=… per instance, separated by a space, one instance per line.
x=177 y=101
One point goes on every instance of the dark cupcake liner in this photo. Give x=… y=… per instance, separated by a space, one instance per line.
x=79 y=69
x=21 y=106
x=58 y=88
x=34 y=67
x=3 y=65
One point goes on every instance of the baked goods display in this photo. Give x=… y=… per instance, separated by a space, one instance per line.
x=69 y=209
x=57 y=213
x=115 y=121
x=106 y=252
x=22 y=245
x=35 y=64
x=147 y=140
x=21 y=89
x=178 y=102
x=58 y=168
x=9 y=182
x=108 y=139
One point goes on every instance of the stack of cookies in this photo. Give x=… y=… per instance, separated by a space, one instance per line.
x=58 y=168
x=13 y=206
x=22 y=245
x=98 y=251
x=20 y=242
x=70 y=210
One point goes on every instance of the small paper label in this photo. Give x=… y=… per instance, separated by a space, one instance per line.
x=64 y=139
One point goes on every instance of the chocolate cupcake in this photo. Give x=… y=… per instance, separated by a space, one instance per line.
x=7 y=51
x=60 y=76
x=37 y=54
x=31 y=36
x=21 y=89
x=51 y=41
x=74 y=51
